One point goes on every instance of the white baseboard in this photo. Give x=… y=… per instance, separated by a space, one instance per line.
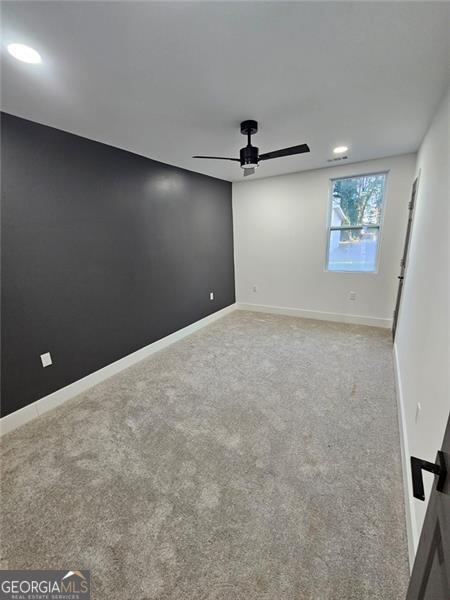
x=411 y=525
x=43 y=405
x=317 y=314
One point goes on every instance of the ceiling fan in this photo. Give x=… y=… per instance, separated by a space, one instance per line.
x=249 y=155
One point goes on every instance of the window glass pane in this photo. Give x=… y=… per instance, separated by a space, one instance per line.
x=353 y=250
x=357 y=200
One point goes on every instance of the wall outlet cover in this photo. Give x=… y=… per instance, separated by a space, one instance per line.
x=352 y=295
x=211 y=295
x=46 y=359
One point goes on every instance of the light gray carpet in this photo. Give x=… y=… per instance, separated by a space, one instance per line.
x=257 y=459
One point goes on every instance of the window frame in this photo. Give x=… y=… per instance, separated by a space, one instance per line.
x=379 y=227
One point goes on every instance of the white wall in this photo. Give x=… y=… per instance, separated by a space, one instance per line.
x=422 y=341
x=280 y=230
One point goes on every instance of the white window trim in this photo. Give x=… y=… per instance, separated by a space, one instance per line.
x=380 y=226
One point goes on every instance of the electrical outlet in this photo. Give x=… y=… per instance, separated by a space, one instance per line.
x=46 y=359
x=418 y=409
x=255 y=289
x=352 y=295
x=211 y=295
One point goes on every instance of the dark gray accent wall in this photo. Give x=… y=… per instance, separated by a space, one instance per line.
x=103 y=252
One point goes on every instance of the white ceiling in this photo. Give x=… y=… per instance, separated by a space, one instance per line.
x=171 y=79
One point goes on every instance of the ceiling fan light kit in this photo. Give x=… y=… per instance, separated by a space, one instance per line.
x=249 y=156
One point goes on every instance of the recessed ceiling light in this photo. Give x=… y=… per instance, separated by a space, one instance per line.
x=340 y=149
x=24 y=53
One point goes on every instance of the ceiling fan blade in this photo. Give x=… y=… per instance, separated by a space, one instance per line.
x=248 y=172
x=218 y=158
x=285 y=152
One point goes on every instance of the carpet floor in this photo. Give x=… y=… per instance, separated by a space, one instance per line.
x=257 y=459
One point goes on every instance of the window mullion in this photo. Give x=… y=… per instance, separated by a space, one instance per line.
x=347 y=227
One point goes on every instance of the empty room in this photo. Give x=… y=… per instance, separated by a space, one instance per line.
x=225 y=300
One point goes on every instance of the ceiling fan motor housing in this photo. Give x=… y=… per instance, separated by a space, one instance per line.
x=249 y=157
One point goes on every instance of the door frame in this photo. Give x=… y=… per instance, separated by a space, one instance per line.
x=404 y=260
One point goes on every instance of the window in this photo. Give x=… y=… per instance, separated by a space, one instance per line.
x=356 y=206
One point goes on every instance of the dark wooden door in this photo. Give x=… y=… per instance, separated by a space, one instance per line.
x=430 y=579
x=404 y=259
